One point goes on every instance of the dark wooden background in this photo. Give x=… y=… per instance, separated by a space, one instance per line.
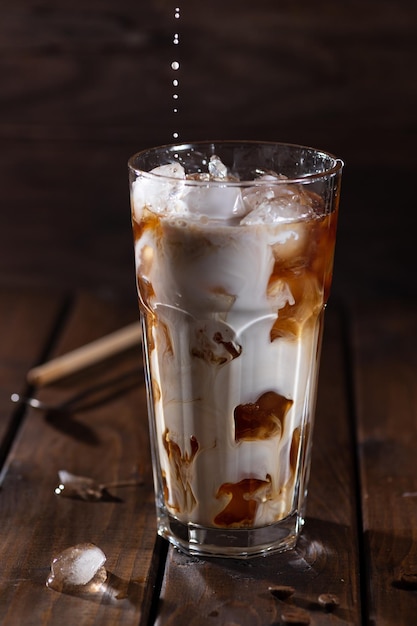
x=85 y=83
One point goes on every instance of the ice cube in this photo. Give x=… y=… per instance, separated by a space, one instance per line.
x=276 y=204
x=170 y=170
x=85 y=488
x=78 y=567
x=72 y=486
x=217 y=169
x=213 y=201
x=160 y=192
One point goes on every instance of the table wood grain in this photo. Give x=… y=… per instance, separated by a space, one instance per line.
x=360 y=533
x=385 y=367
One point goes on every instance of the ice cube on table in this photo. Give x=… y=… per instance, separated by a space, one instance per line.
x=72 y=486
x=78 y=567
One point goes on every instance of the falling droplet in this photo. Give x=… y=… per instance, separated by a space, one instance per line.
x=175 y=66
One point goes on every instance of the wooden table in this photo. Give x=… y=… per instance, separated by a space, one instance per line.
x=360 y=538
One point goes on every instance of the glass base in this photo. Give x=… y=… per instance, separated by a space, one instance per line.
x=235 y=543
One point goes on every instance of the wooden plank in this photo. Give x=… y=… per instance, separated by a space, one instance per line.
x=108 y=442
x=386 y=370
x=92 y=69
x=326 y=559
x=26 y=324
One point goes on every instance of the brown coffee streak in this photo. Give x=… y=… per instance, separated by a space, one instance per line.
x=262 y=419
x=241 y=508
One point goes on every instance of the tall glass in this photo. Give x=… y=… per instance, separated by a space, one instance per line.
x=234 y=245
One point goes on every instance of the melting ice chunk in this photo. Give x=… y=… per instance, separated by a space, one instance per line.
x=80 y=567
x=217 y=169
x=168 y=192
x=85 y=488
x=171 y=170
x=159 y=192
x=214 y=201
x=72 y=486
x=276 y=203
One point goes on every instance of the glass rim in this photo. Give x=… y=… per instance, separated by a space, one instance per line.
x=336 y=164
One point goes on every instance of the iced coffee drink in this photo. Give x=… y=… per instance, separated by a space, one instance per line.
x=234 y=252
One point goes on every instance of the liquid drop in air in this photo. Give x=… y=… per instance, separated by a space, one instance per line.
x=175 y=66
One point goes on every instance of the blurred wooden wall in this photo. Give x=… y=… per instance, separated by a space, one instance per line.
x=85 y=84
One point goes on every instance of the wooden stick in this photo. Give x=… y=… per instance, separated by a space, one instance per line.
x=85 y=356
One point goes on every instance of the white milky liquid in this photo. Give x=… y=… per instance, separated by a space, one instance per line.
x=233 y=309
